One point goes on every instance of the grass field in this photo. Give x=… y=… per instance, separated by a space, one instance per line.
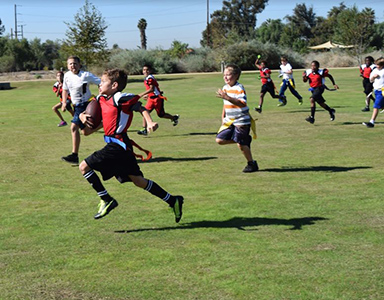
x=308 y=225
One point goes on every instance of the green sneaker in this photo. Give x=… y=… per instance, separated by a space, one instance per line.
x=177 y=208
x=105 y=208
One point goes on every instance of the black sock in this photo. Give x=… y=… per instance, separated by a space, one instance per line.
x=95 y=182
x=313 y=109
x=159 y=192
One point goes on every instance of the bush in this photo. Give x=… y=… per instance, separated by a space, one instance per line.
x=7 y=63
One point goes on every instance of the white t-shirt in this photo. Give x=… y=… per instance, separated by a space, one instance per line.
x=78 y=85
x=285 y=69
x=378 y=83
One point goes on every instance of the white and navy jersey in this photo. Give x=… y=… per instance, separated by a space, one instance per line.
x=233 y=113
x=78 y=85
x=378 y=83
x=284 y=69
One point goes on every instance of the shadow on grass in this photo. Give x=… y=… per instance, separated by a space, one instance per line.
x=238 y=223
x=314 y=169
x=360 y=123
x=162 y=159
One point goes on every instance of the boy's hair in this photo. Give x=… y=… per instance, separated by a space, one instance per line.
x=235 y=70
x=316 y=63
x=148 y=66
x=284 y=58
x=370 y=58
x=119 y=76
x=380 y=62
x=75 y=58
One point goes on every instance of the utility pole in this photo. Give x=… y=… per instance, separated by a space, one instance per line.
x=15 y=21
x=208 y=23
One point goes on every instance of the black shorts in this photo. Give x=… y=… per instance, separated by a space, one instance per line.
x=238 y=134
x=268 y=87
x=113 y=160
x=368 y=86
x=317 y=94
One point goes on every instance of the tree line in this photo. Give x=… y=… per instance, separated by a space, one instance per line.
x=232 y=35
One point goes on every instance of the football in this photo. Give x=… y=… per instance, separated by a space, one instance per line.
x=94 y=110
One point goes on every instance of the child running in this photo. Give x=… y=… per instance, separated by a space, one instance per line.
x=236 y=121
x=286 y=72
x=377 y=77
x=117 y=158
x=316 y=78
x=267 y=84
x=155 y=99
x=365 y=72
x=58 y=90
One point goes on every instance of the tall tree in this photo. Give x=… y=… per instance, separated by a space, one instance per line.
x=356 y=28
x=270 y=31
x=142 y=25
x=86 y=36
x=2 y=28
x=235 y=21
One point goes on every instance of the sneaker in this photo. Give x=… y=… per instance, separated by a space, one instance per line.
x=251 y=167
x=175 y=120
x=365 y=108
x=310 y=119
x=281 y=104
x=300 y=101
x=105 y=208
x=381 y=111
x=62 y=123
x=283 y=99
x=71 y=158
x=258 y=109
x=332 y=114
x=369 y=124
x=143 y=131
x=177 y=208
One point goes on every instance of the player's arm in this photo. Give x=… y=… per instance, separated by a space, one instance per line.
x=223 y=95
x=151 y=126
x=305 y=77
x=85 y=119
x=333 y=81
x=64 y=97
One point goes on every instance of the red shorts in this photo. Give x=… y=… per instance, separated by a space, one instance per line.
x=156 y=104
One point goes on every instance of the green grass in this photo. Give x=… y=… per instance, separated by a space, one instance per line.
x=309 y=225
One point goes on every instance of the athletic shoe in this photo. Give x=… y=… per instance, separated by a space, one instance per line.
x=177 y=208
x=62 y=123
x=365 y=108
x=105 y=208
x=369 y=124
x=310 y=119
x=258 y=109
x=332 y=114
x=71 y=158
x=175 y=120
x=382 y=110
x=251 y=167
x=300 y=101
x=143 y=131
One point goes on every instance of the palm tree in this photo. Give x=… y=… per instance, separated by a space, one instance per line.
x=142 y=25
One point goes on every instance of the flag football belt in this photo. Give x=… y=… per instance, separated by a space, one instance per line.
x=290 y=82
x=109 y=139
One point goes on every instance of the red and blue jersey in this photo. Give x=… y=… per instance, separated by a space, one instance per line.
x=316 y=78
x=366 y=70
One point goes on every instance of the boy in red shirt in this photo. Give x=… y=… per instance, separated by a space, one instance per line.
x=117 y=159
x=58 y=90
x=316 y=78
x=155 y=99
x=267 y=85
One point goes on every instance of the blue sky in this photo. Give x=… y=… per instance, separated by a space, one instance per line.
x=168 y=20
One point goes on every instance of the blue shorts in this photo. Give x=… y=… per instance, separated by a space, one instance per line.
x=238 y=134
x=379 y=101
x=78 y=109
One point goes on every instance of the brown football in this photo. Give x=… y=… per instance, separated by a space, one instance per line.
x=94 y=110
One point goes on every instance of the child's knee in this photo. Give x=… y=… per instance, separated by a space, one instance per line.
x=220 y=141
x=83 y=167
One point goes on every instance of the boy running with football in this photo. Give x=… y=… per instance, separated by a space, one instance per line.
x=316 y=78
x=117 y=159
x=76 y=83
x=155 y=99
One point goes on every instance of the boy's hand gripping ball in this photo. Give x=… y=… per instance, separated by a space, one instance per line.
x=94 y=110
